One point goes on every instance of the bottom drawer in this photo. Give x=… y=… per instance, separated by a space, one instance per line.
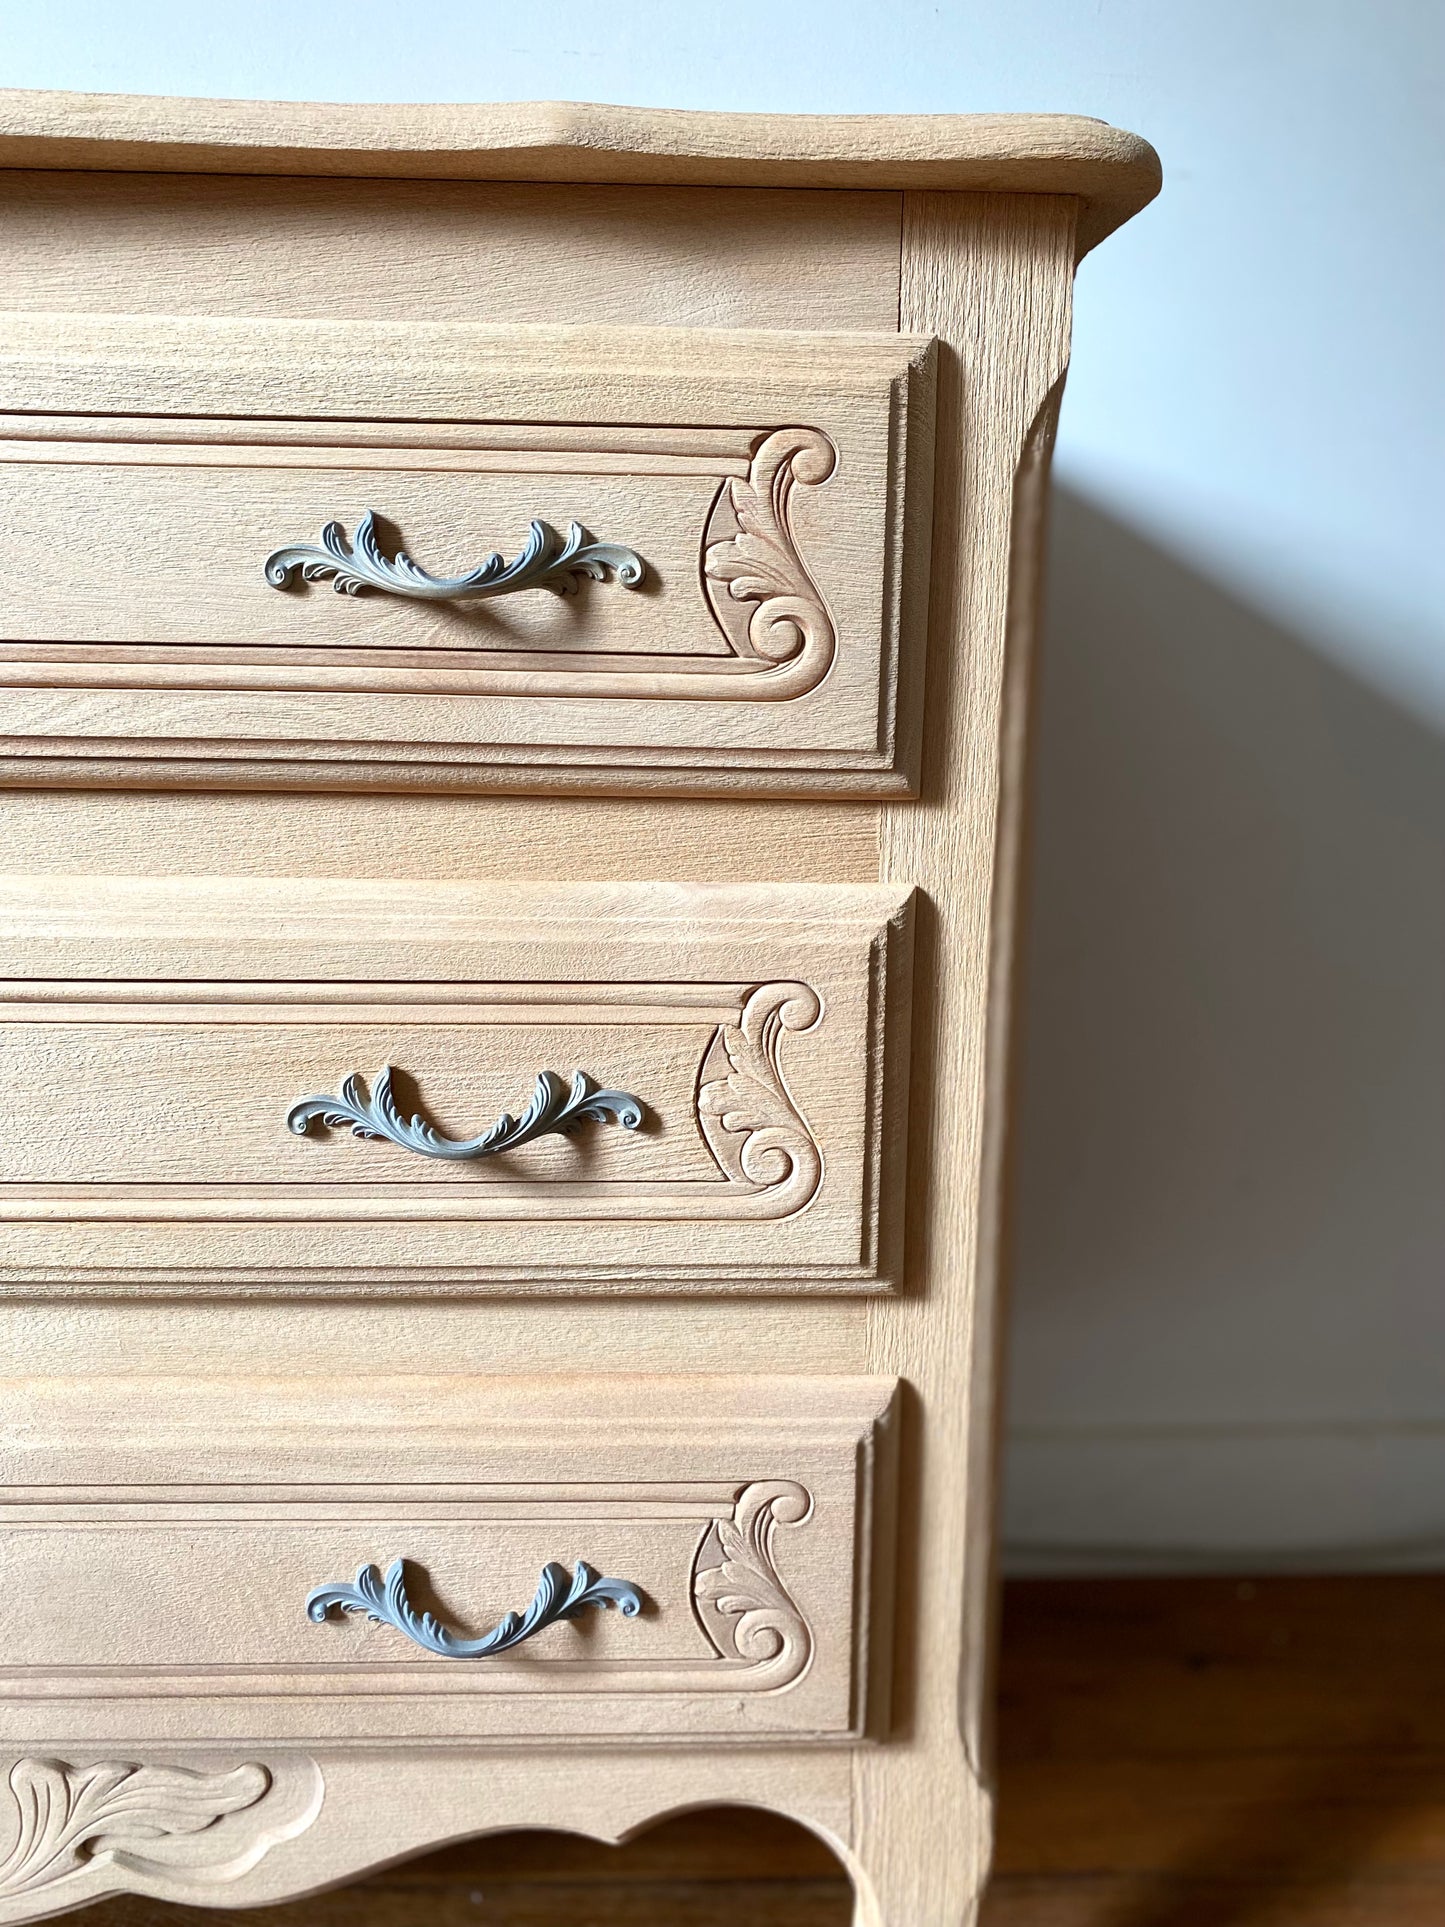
x=397 y=1559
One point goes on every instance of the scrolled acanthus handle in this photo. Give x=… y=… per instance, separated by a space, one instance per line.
x=546 y=560
x=559 y=1595
x=555 y=1106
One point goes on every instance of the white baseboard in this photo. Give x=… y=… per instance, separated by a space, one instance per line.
x=1256 y=1499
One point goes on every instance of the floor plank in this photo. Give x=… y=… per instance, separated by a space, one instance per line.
x=525 y=1903
x=1241 y=1753
x=1104 y=1900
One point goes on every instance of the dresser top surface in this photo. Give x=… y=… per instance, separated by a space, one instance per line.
x=1113 y=172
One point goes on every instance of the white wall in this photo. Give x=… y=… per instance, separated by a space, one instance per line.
x=1230 y=1310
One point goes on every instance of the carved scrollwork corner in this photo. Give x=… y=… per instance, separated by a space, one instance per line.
x=759 y=588
x=756 y=1134
x=741 y=1603
x=168 y=1831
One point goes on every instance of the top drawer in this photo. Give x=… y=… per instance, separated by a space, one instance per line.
x=746 y=608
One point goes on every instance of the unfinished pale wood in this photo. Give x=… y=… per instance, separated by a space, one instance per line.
x=750 y=1538
x=988 y=275
x=731 y=840
x=405 y=1814
x=76 y=1830
x=784 y=548
x=1184 y=1749
x=990 y=278
x=714 y=1868
x=323 y=1337
x=154 y=1037
x=1112 y=173
x=372 y=250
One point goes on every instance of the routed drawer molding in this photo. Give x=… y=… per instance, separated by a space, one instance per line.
x=775 y=488
x=160 y=1070
x=203 y=1515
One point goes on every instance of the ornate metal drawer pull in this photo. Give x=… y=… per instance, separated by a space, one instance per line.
x=554 y=1107
x=559 y=1596
x=547 y=561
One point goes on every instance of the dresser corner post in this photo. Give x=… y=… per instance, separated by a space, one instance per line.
x=990 y=276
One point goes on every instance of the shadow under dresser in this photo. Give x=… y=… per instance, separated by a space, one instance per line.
x=513 y=699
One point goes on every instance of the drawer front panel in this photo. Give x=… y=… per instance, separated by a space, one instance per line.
x=743 y=1057
x=161 y=1541
x=753 y=512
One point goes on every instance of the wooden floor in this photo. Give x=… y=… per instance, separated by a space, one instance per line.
x=1174 y=1753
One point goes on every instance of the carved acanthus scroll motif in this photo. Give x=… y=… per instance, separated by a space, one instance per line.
x=145 y=1827
x=748 y=1119
x=741 y=1603
x=751 y=557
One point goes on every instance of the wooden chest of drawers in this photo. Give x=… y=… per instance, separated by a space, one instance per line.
x=499 y=1209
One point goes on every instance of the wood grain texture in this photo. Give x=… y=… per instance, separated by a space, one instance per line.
x=990 y=278
x=1111 y=172
x=216 y=1509
x=738 y=1777
x=1181 y=1752
x=79 y=1828
x=203 y=245
x=764 y=1032
x=775 y=486
x=606 y=839
x=320 y=1337
x=371 y=250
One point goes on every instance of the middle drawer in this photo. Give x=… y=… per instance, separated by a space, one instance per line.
x=293 y=1085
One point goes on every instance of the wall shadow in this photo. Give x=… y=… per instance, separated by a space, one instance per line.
x=1228 y=1207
